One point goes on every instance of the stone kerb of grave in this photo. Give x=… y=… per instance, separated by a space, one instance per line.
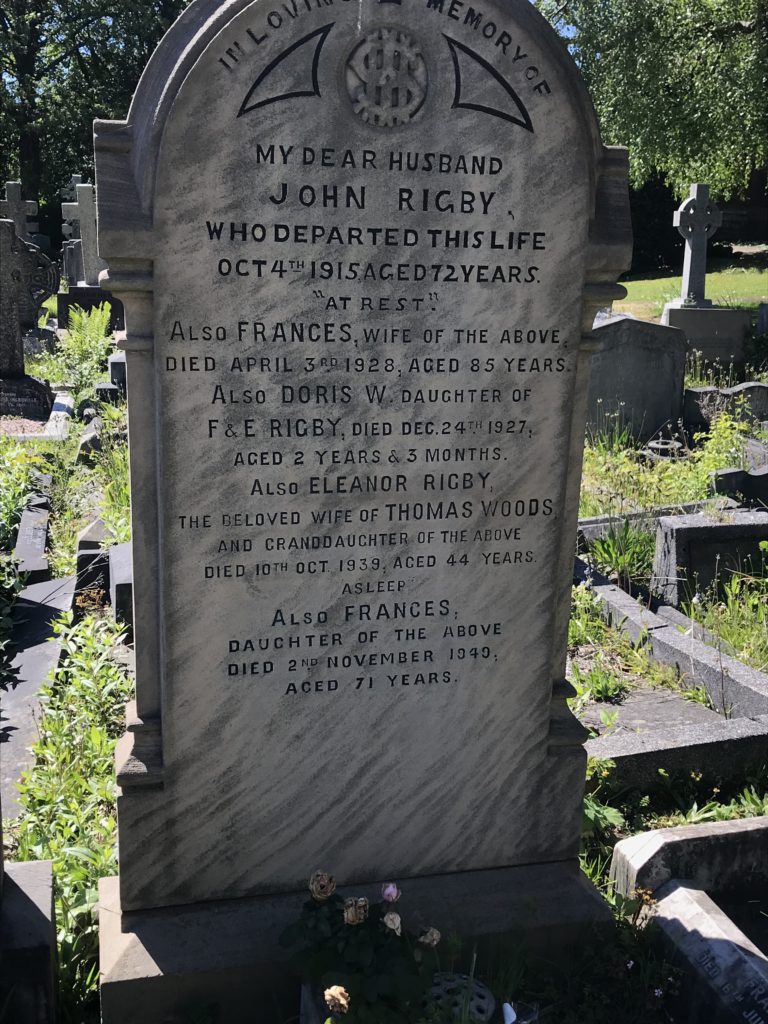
x=20 y=395
x=445 y=232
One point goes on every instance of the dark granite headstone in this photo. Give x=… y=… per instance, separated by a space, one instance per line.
x=121 y=584
x=19 y=395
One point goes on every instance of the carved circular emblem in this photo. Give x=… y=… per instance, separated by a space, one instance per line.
x=387 y=78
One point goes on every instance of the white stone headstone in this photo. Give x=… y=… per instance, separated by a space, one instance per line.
x=360 y=251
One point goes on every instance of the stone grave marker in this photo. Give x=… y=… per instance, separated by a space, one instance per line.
x=358 y=365
x=717 y=334
x=82 y=264
x=19 y=210
x=637 y=377
x=82 y=212
x=20 y=395
x=697 y=220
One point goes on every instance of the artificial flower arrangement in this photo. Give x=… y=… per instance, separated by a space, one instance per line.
x=371 y=969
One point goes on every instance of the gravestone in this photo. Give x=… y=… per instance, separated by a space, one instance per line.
x=637 y=378
x=360 y=253
x=718 y=335
x=19 y=210
x=82 y=264
x=20 y=395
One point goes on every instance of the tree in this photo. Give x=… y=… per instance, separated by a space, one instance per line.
x=683 y=83
x=63 y=63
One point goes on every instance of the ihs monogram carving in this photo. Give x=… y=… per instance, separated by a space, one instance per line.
x=387 y=78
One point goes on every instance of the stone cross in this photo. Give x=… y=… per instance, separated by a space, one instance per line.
x=11 y=272
x=84 y=212
x=69 y=195
x=14 y=208
x=697 y=220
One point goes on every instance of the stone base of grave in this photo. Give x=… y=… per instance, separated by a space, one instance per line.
x=718 y=334
x=26 y=397
x=226 y=954
x=88 y=297
x=28 y=944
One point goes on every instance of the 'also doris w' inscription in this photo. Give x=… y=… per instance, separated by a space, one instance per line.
x=370 y=231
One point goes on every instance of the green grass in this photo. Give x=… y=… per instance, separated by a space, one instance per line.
x=744 y=286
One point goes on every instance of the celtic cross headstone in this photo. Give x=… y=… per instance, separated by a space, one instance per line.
x=697 y=220
x=17 y=209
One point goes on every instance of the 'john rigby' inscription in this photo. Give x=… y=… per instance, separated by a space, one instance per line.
x=369 y=413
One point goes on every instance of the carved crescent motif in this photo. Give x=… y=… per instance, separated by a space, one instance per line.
x=306 y=81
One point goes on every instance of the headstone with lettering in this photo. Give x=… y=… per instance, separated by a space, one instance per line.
x=20 y=395
x=360 y=250
x=717 y=335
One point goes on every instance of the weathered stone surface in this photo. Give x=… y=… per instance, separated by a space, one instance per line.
x=637 y=377
x=28 y=944
x=358 y=547
x=19 y=395
x=718 y=335
x=121 y=584
x=695 y=553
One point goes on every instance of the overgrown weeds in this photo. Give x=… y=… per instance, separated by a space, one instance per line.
x=81 y=355
x=68 y=796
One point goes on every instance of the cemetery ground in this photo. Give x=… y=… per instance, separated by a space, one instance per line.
x=66 y=800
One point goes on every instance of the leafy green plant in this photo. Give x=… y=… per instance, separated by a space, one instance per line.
x=616 y=481
x=625 y=552
x=81 y=356
x=68 y=796
x=599 y=683
x=16 y=465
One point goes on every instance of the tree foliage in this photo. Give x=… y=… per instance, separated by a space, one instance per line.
x=683 y=83
x=63 y=63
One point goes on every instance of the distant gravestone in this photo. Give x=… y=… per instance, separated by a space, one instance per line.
x=19 y=210
x=697 y=220
x=637 y=378
x=717 y=335
x=354 y=251
x=82 y=264
x=83 y=213
x=19 y=395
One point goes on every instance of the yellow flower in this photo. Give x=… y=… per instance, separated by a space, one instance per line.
x=355 y=910
x=336 y=999
x=322 y=886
